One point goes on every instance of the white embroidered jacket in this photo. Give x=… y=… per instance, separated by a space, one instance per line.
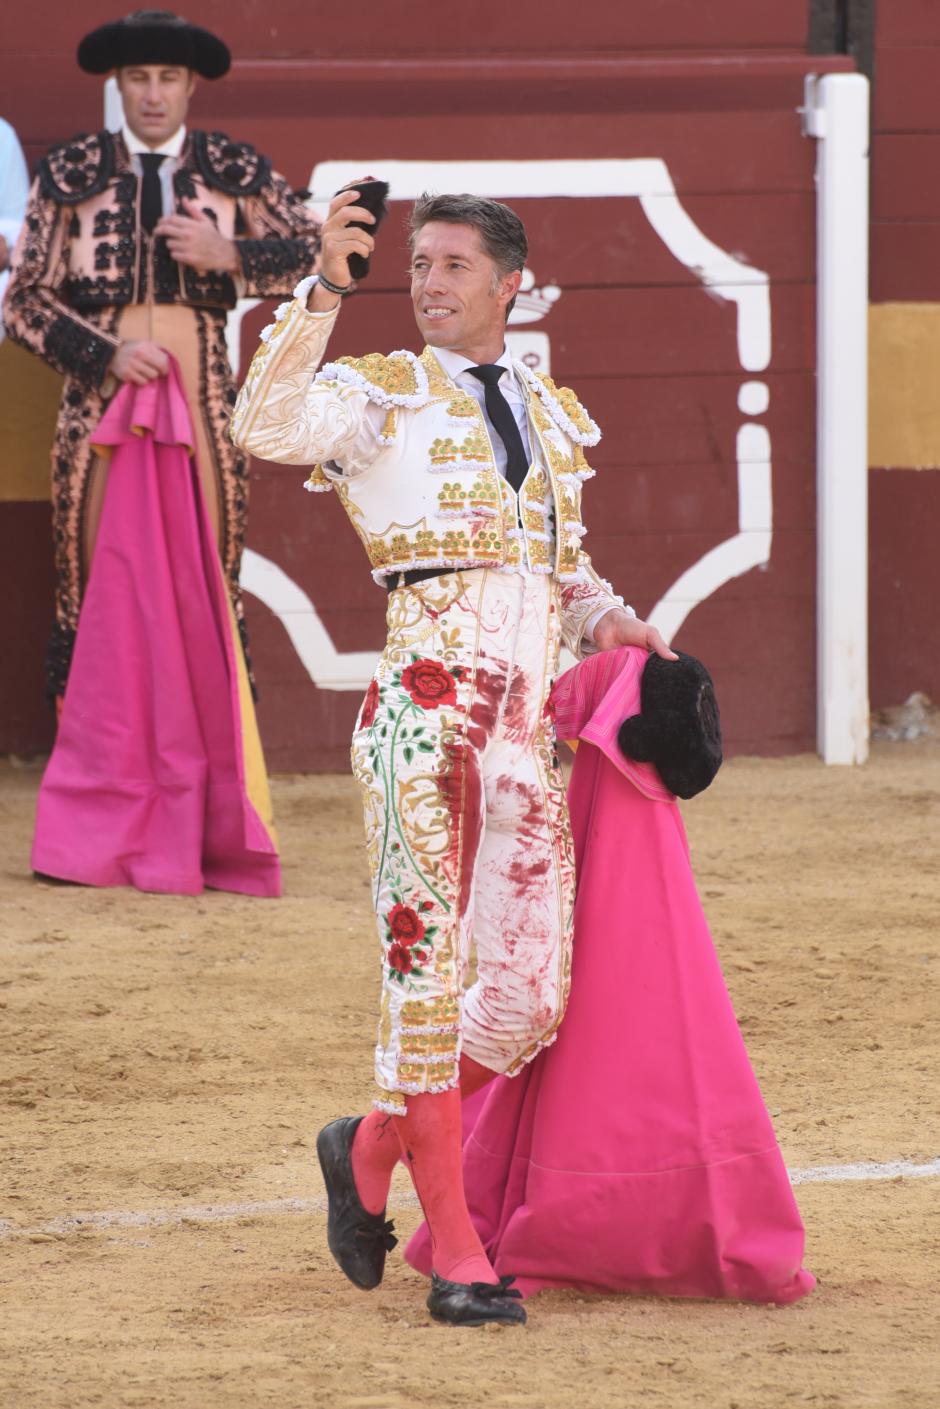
x=425 y=492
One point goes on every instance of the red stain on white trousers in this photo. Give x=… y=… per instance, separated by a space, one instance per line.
x=467 y=828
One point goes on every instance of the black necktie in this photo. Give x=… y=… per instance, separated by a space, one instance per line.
x=151 y=192
x=503 y=422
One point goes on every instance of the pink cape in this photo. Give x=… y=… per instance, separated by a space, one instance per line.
x=148 y=782
x=636 y=1154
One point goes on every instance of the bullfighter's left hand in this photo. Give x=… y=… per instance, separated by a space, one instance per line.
x=619 y=628
x=194 y=239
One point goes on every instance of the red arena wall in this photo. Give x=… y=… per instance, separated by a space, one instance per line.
x=669 y=198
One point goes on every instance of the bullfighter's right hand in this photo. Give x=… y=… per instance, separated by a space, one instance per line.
x=139 y=362
x=337 y=243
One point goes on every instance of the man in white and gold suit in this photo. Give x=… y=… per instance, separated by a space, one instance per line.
x=462 y=473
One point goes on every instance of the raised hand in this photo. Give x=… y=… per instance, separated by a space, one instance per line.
x=337 y=242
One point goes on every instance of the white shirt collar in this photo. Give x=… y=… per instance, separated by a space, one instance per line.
x=171 y=147
x=454 y=363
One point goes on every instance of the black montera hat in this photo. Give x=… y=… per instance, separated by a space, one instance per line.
x=153 y=37
x=678 y=728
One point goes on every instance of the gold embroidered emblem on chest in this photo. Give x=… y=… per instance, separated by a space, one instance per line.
x=474 y=448
x=457 y=501
x=463 y=405
x=427 y=544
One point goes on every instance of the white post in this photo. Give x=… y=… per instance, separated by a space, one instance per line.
x=836 y=113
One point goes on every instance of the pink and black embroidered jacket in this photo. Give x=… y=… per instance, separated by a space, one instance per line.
x=83 y=252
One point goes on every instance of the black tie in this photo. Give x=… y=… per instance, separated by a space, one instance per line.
x=503 y=422
x=151 y=193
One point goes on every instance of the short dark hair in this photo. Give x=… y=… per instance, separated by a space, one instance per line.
x=501 y=232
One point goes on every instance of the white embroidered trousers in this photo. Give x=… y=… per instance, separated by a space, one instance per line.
x=467 y=829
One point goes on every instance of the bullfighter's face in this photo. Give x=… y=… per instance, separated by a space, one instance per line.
x=459 y=293
x=156 y=98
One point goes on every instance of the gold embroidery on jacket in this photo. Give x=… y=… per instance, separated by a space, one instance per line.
x=393 y=375
x=427 y=544
x=439 y=384
x=446 y=451
x=317 y=479
x=436 y=1012
x=462 y=405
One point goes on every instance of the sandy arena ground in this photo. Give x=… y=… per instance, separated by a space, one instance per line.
x=161 y=1055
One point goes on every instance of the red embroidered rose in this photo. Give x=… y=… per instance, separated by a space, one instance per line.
x=405 y=924
x=429 y=684
x=400 y=958
x=369 y=706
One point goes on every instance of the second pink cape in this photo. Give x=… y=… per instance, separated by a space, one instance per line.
x=147 y=782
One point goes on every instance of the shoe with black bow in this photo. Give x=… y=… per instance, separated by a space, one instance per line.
x=475 y=1303
x=359 y=1240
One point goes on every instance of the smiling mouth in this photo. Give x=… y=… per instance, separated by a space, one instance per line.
x=437 y=311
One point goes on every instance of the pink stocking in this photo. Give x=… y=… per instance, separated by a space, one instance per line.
x=431 y=1143
x=375 y=1153
x=376 y=1150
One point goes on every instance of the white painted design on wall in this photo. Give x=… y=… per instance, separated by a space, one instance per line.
x=533 y=349
x=327 y=667
x=749 y=548
x=722 y=275
x=532 y=304
x=753 y=398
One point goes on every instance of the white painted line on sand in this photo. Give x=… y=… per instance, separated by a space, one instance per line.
x=846 y=1173
x=67 y=1223
x=159 y=1217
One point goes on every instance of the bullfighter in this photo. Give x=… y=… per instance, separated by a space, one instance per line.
x=137 y=244
x=462 y=474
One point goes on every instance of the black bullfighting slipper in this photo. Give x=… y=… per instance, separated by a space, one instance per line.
x=358 y=1239
x=475 y=1303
